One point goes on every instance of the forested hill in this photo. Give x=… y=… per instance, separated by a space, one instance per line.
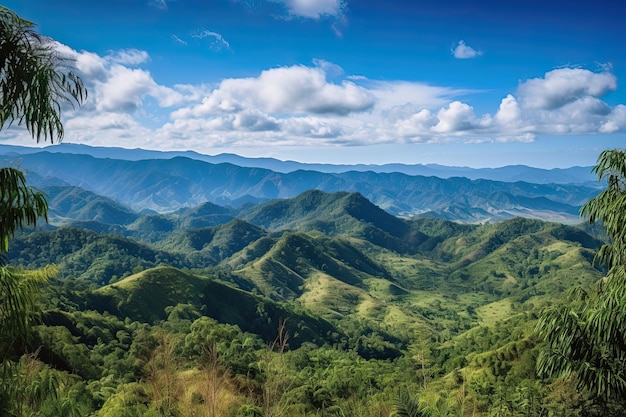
x=372 y=307
x=165 y=185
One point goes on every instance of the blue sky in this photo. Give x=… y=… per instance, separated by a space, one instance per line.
x=473 y=83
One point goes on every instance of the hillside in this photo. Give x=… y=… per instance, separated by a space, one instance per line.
x=333 y=284
x=342 y=257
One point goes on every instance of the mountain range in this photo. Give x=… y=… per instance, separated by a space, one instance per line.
x=510 y=173
x=165 y=185
x=422 y=299
x=336 y=255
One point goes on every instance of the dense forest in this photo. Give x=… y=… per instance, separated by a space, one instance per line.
x=320 y=305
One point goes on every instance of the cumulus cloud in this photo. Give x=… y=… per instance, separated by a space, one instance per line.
x=129 y=57
x=296 y=89
x=562 y=86
x=124 y=90
x=319 y=104
x=300 y=102
x=616 y=121
x=455 y=118
x=254 y=121
x=563 y=101
x=397 y=97
x=509 y=113
x=121 y=95
x=464 y=51
x=314 y=127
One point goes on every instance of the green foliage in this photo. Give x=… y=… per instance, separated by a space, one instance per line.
x=19 y=204
x=433 y=308
x=91 y=256
x=585 y=337
x=609 y=207
x=19 y=290
x=144 y=296
x=35 y=79
x=218 y=242
x=31 y=388
x=408 y=406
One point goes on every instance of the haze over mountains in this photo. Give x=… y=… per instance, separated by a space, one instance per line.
x=510 y=173
x=168 y=181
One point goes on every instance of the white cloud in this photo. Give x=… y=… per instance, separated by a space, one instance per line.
x=302 y=103
x=314 y=9
x=114 y=87
x=217 y=41
x=457 y=118
x=330 y=69
x=296 y=89
x=254 y=121
x=314 y=127
x=464 y=51
x=417 y=125
x=509 y=114
x=125 y=89
x=102 y=121
x=563 y=86
x=320 y=105
x=392 y=95
x=616 y=121
x=179 y=40
x=89 y=64
x=129 y=57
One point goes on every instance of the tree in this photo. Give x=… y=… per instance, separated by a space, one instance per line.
x=408 y=406
x=19 y=205
x=18 y=305
x=35 y=81
x=586 y=338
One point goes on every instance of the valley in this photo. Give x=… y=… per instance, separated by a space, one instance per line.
x=320 y=304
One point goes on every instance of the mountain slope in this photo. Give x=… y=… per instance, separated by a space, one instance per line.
x=219 y=242
x=167 y=185
x=147 y=295
x=342 y=213
x=511 y=173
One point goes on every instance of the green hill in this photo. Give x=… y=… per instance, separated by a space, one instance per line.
x=76 y=204
x=336 y=214
x=373 y=306
x=89 y=255
x=145 y=295
x=218 y=242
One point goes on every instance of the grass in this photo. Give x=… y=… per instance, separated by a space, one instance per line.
x=144 y=296
x=491 y=313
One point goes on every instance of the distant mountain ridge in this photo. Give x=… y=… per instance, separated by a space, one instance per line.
x=166 y=185
x=510 y=173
